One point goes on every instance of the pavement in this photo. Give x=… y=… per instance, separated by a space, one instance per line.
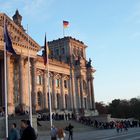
x=109 y=134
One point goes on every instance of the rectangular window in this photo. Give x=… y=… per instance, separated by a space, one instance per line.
x=57 y=51
x=65 y=84
x=39 y=80
x=57 y=83
x=63 y=51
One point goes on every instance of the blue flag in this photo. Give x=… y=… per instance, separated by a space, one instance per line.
x=8 y=41
x=45 y=55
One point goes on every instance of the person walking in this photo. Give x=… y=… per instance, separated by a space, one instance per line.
x=61 y=134
x=13 y=134
x=70 y=129
x=53 y=133
x=117 y=126
x=28 y=132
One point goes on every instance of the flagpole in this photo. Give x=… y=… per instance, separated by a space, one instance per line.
x=29 y=91
x=5 y=84
x=48 y=76
x=63 y=32
x=50 y=105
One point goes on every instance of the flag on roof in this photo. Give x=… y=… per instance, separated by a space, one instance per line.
x=65 y=24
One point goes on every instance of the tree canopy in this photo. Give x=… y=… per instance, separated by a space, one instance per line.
x=121 y=108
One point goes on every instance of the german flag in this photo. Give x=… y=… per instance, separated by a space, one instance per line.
x=65 y=24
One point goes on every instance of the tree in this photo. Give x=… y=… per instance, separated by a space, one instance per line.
x=101 y=107
x=125 y=108
x=113 y=108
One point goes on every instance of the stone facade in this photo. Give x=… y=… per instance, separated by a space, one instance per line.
x=70 y=74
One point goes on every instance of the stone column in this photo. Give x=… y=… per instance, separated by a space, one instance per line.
x=45 y=87
x=81 y=93
x=92 y=94
x=21 y=80
x=54 y=100
x=10 y=92
x=72 y=78
x=70 y=102
x=62 y=97
x=89 y=95
x=79 y=96
x=34 y=79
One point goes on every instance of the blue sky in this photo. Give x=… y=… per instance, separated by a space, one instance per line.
x=110 y=29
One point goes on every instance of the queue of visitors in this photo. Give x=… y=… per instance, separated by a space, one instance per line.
x=55 y=116
x=124 y=124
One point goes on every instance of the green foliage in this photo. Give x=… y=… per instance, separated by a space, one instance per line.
x=125 y=108
x=101 y=107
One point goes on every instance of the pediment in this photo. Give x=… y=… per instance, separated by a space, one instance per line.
x=18 y=36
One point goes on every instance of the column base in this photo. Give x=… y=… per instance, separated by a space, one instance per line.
x=21 y=109
x=11 y=109
x=35 y=108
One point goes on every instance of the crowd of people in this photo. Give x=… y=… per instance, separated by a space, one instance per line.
x=55 y=116
x=119 y=125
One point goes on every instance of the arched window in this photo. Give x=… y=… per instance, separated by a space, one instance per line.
x=39 y=96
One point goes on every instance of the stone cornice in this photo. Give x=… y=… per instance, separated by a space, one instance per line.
x=68 y=39
x=19 y=37
x=53 y=62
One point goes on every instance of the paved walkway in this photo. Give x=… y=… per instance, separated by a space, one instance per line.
x=132 y=134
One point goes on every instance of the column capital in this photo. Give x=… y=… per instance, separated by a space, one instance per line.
x=33 y=60
x=63 y=76
x=22 y=57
